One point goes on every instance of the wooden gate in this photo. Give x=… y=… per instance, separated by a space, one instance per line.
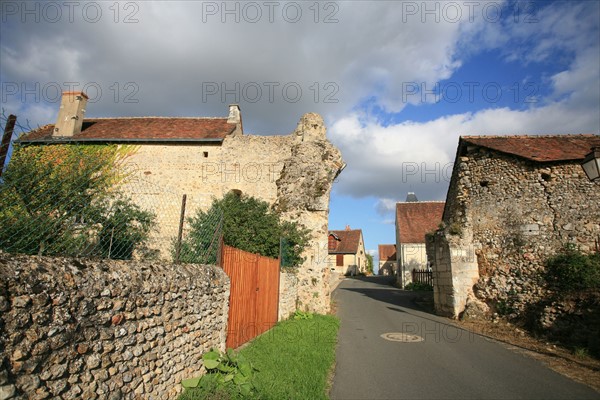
x=422 y=276
x=254 y=294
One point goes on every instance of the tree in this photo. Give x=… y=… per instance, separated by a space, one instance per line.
x=248 y=224
x=61 y=199
x=369 y=264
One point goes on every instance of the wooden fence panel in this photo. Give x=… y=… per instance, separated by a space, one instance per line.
x=254 y=294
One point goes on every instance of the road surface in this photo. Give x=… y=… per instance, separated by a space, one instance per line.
x=449 y=363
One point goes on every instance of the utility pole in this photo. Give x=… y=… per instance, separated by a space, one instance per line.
x=8 y=132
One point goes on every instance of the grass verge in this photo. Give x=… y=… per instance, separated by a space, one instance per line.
x=294 y=361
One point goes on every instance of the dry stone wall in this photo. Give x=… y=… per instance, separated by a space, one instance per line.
x=504 y=217
x=82 y=329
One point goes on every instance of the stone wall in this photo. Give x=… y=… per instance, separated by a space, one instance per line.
x=73 y=328
x=504 y=217
x=288 y=294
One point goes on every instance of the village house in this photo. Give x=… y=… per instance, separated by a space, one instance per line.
x=414 y=219
x=347 y=254
x=207 y=157
x=513 y=201
x=387 y=259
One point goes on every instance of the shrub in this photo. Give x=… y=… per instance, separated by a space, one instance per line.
x=572 y=270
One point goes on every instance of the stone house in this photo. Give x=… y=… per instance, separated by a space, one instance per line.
x=512 y=202
x=414 y=219
x=387 y=259
x=347 y=251
x=207 y=157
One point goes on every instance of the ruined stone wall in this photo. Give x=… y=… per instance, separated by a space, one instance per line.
x=507 y=216
x=293 y=173
x=72 y=328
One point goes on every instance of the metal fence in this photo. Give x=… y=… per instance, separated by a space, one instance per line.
x=88 y=201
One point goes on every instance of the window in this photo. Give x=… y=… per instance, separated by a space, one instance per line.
x=339 y=260
x=205 y=154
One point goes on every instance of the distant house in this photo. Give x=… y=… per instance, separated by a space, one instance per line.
x=414 y=219
x=347 y=251
x=512 y=202
x=387 y=259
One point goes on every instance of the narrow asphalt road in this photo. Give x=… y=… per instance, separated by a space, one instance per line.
x=449 y=363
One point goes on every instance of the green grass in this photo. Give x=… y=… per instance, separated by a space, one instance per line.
x=294 y=361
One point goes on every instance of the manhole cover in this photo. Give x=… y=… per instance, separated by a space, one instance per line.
x=402 y=337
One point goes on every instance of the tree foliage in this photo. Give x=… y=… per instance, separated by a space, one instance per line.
x=248 y=224
x=369 y=264
x=62 y=200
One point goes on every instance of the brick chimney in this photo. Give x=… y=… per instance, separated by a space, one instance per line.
x=235 y=117
x=70 y=114
x=347 y=227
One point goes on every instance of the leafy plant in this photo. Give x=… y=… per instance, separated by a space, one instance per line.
x=455 y=229
x=299 y=315
x=225 y=372
x=580 y=352
x=572 y=270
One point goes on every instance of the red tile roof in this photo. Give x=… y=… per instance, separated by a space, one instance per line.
x=141 y=129
x=348 y=241
x=387 y=252
x=415 y=219
x=545 y=148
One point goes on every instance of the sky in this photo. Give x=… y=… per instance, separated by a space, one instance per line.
x=397 y=82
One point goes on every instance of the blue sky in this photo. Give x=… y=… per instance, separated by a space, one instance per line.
x=396 y=81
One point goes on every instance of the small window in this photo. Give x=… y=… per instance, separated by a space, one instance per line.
x=205 y=154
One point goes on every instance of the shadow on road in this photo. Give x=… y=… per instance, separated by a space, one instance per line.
x=387 y=293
